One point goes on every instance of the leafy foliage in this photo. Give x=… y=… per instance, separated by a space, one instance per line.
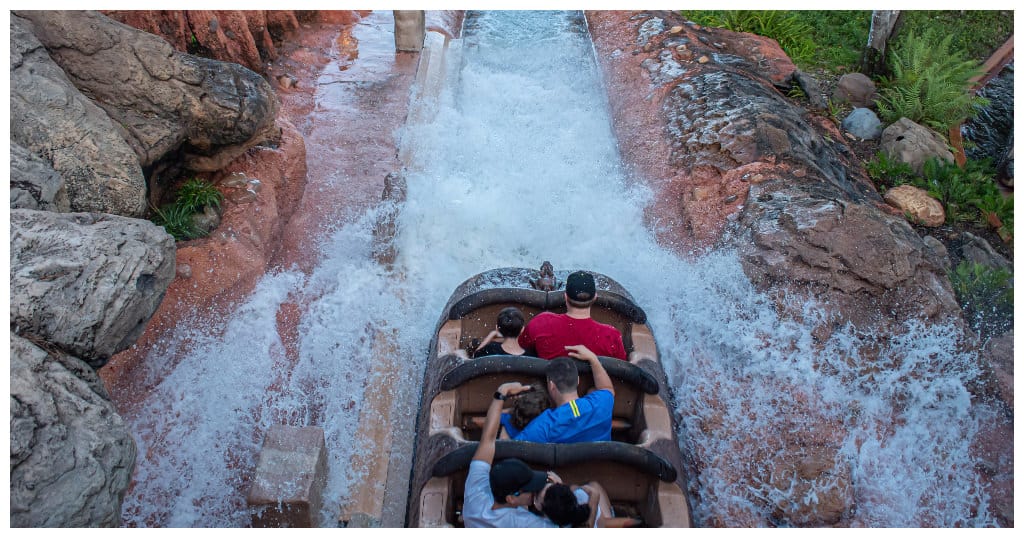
x=177 y=220
x=968 y=194
x=976 y=32
x=792 y=33
x=889 y=172
x=191 y=198
x=951 y=186
x=196 y=194
x=985 y=294
x=930 y=83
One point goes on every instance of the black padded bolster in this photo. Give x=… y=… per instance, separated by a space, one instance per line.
x=554 y=455
x=543 y=300
x=532 y=366
x=467 y=304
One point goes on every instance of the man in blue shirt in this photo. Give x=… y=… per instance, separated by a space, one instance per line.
x=574 y=419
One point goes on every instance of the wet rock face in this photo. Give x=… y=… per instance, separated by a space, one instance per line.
x=871 y=268
x=167 y=103
x=72 y=456
x=734 y=163
x=728 y=119
x=53 y=120
x=751 y=169
x=86 y=282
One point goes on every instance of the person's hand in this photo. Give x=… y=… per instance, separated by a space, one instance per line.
x=554 y=478
x=581 y=352
x=493 y=336
x=512 y=388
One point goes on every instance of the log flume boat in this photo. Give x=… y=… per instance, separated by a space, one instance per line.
x=640 y=468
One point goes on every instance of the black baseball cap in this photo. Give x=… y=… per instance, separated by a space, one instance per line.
x=511 y=475
x=580 y=286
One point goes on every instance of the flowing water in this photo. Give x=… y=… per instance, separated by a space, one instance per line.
x=519 y=165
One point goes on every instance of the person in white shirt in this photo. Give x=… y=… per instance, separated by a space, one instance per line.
x=501 y=495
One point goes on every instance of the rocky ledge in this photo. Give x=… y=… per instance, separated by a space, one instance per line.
x=702 y=115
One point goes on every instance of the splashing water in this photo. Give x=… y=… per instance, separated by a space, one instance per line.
x=519 y=165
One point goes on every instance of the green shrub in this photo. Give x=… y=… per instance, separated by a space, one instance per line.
x=197 y=194
x=968 y=194
x=954 y=187
x=985 y=294
x=930 y=83
x=192 y=197
x=886 y=171
x=177 y=220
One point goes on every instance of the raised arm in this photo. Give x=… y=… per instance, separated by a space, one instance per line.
x=485 y=449
x=601 y=378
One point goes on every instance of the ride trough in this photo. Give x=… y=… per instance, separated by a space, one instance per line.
x=641 y=468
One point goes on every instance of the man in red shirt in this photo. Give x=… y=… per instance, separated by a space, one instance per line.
x=547 y=334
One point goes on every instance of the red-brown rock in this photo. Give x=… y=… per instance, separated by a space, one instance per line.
x=243 y=37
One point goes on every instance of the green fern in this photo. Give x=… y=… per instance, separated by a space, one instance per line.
x=929 y=84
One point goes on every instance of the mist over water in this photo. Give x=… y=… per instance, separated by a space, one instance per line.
x=517 y=166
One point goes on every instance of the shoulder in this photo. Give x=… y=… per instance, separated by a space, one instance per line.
x=545 y=317
x=600 y=396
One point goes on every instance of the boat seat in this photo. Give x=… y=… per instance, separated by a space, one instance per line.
x=476 y=422
x=532 y=366
x=556 y=455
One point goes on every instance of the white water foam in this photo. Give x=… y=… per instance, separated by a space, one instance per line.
x=519 y=166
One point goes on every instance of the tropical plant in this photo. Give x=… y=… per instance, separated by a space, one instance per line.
x=192 y=197
x=196 y=194
x=950 y=185
x=930 y=83
x=177 y=220
x=883 y=168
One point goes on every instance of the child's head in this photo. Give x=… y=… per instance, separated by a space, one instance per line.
x=528 y=405
x=510 y=322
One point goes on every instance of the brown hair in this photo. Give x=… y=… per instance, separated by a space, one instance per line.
x=528 y=405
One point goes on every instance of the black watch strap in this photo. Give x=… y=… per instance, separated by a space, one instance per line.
x=498 y=395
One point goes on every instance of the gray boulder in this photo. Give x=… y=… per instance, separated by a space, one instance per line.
x=86 y=282
x=855 y=88
x=863 y=123
x=914 y=144
x=72 y=456
x=35 y=184
x=165 y=101
x=53 y=120
x=975 y=249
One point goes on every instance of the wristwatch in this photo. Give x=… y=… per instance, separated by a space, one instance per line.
x=498 y=395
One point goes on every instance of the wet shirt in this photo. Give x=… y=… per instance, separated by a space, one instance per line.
x=584 y=419
x=477 y=511
x=548 y=333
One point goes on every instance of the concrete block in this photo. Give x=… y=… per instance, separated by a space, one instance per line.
x=290 y=477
